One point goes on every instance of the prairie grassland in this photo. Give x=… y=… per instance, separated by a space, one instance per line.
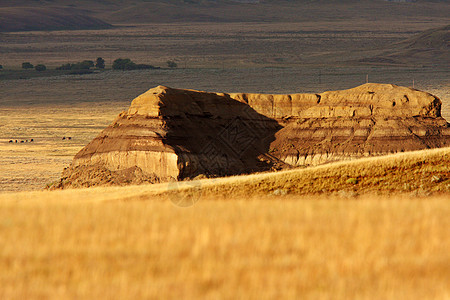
x=205 y=44
x=255 y=248
x=31 y=165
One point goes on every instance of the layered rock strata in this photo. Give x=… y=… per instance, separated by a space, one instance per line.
x=175 y=134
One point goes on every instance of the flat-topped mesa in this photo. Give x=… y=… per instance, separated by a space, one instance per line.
x=368 y=100
x=175 y=134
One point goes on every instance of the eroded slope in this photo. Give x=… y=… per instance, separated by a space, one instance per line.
x=171 y=134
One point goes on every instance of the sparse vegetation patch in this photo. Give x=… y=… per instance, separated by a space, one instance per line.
x=172 y=64
x=27 y=65
x=126 y=64
x=100 y=63
x=40 y=68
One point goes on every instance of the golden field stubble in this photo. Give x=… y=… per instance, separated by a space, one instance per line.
x=264 y=247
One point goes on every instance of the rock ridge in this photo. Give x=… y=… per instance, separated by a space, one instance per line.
x=173 y=134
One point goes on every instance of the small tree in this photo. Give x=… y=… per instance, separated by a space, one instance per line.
x=171 y=64
x=100 y=63
x=82 y=65
x=27 y=65
x=88 y=63
x=40 y=68
x=123 y=64
x=65 y=67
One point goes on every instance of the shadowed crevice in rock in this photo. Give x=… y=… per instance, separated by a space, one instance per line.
x=173 y=134
x=216 y=135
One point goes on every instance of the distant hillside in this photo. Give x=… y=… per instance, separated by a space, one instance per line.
x=41 y=18
x=156 y=11
x=436 y=38
x=431 y=46
x=170 y=11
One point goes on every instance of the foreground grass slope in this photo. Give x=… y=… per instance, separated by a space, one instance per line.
x=258 y=248
x=239 y=240
x=418 y=173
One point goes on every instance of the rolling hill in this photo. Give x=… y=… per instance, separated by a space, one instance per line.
x=169 y=11
x=429 y=47
x=47 y=18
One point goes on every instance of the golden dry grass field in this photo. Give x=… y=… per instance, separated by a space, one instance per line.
x=241 y=239
x=265 y=248
x=31 y=165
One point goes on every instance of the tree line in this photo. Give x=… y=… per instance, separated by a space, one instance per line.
x=84 y=66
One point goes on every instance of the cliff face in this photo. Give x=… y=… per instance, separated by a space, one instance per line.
x=175 y=134
x=180 y=133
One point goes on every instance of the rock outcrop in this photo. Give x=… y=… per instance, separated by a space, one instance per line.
x=172 y=134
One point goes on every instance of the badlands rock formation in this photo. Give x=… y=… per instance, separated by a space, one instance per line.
x=169 y=134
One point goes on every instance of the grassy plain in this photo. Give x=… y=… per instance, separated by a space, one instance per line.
x=236 y=45
x=239 y=240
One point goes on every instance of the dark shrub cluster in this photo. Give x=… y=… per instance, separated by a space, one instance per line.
x=27 y=65
x=82 y=65
x=127 y=64
x=100 y=63
x=171 y=64
x=40 y=68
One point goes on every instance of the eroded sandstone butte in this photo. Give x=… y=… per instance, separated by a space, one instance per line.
x=171 y=134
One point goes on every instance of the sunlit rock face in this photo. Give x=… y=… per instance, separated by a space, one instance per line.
x=171 y=134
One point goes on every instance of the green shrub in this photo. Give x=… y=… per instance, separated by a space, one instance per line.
x=83 y=65
x=123 y=64
x=40 y=68
x=27 y=65
x=171 y=64
x=65 y=67
x=127 y=64
x=100 y=63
